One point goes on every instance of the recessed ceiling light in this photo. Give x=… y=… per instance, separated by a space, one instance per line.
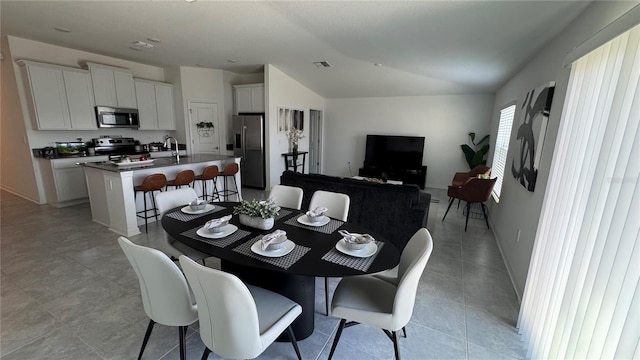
x=190 y=1
x=233 y=61
x=155 y=40
x=61 y=29
x=135 y=48
x=377 y=64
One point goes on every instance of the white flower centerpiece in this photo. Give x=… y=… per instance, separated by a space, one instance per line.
x=294 y=135
x=257 y=214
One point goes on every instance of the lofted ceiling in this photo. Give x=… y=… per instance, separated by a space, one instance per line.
x=421 y=47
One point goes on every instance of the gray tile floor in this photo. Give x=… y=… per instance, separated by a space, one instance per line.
x=68 y=292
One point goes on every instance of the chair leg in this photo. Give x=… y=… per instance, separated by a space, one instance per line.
x=404 y=331
x=146 y=338
x=182 y=333
x=206 y=353
x=155 y=208
x=292 y=337
x=326 y=294
x=449 y=207
x=235 y=183
x=337 y=338
x=396 y=344
x=458 y=203
x=467 y=223
x=486 y=219
x=146 y=224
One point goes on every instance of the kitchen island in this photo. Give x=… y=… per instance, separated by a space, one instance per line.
x=113 y=201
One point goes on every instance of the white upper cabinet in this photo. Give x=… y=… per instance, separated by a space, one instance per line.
x=248 y=98
x=155 y=105
x=112 y=86
x=59 y=98
x=79 y=89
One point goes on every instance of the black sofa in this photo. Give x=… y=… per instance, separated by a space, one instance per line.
x=394 y=211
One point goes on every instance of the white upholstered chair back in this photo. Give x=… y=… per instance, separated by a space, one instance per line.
x=337 y=203
x=287 y=196
x=167 y=200
x=412 y=263
x=228 y=317
x=165 y=293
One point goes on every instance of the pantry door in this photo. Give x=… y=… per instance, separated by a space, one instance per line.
x=204 y=139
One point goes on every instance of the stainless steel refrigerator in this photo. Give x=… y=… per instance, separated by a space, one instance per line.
x=248 y=141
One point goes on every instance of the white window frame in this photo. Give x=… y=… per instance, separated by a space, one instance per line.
x=501 y=148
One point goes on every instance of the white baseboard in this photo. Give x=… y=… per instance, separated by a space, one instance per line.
x=506 y=263
x=36 y=201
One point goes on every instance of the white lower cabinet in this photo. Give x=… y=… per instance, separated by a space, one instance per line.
x=64 y=182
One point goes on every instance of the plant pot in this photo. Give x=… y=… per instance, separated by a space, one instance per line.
x=256 y=222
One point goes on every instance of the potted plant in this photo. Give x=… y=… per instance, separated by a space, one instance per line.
x=476 y=155
x=258 y=214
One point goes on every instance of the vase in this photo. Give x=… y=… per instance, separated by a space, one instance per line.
x=294 y=148
x=256 y=222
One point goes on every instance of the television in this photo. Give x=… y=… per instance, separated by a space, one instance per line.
x=388 y=152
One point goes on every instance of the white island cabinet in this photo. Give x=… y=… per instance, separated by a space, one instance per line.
x=113 y=201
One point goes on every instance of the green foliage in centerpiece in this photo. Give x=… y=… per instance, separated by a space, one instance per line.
x=264 y=208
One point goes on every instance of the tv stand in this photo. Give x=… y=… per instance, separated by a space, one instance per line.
x=417 y=176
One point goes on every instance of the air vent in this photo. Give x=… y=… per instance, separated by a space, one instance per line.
x=143 y=44
x=322 y=64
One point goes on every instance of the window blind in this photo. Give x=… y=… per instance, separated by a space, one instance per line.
x=502 y=146
x=582 y=295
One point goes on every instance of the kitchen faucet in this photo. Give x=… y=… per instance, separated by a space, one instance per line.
x=167 y=144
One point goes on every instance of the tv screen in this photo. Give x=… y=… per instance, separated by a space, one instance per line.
x=388 y=152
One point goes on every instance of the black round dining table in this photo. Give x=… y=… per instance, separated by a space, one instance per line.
x=295 y=278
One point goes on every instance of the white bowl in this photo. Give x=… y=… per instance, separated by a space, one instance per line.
x=355 y=246
x=315 y=219
x=277 y=243
x=219 y=228
x=199 y=206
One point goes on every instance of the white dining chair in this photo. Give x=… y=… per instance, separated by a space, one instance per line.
x=166 y=201
x=238 y=321
x=383 y=301
x=338 y=208
x=166 y=297
x=287 y=196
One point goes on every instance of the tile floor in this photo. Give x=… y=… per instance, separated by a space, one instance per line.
x=68 y=292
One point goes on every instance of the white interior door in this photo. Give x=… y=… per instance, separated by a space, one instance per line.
x=204 y=140
x=315 y=141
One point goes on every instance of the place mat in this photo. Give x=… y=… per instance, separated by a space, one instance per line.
x=282 y=213
x=358 y=263
x=179 y=215
x=329 y=228
x=222 y=242
x=284 y=262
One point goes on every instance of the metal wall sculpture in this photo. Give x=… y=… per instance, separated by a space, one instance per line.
x=535 y=116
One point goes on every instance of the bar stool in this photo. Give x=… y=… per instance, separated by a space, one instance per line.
x=209 y=173
x=230 y=170
x=184 y=177
x=153 y=182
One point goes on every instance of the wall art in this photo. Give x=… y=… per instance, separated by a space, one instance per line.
x=531 y=133
x=290 y=118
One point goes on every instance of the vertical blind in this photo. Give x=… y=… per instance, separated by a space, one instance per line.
x=502 y=146
x=582 y=296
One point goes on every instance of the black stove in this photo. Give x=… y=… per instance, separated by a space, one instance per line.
x=118 y=146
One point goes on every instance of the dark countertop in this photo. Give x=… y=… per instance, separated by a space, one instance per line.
x=158 y=162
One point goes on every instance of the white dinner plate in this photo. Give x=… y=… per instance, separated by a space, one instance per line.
x=228 y=230
x=134 y=163
x=367 y=251
x=284 y=250
x=207 y=208
x=304 y=220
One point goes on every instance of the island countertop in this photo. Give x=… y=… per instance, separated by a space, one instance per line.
x=157 y=162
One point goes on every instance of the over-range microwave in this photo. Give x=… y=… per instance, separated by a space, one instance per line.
x=110 y=117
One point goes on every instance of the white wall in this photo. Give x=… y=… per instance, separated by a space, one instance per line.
x=203 y=85
x=443 y=120
x=17 y=175
x=283 y=91
x=519 y=208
